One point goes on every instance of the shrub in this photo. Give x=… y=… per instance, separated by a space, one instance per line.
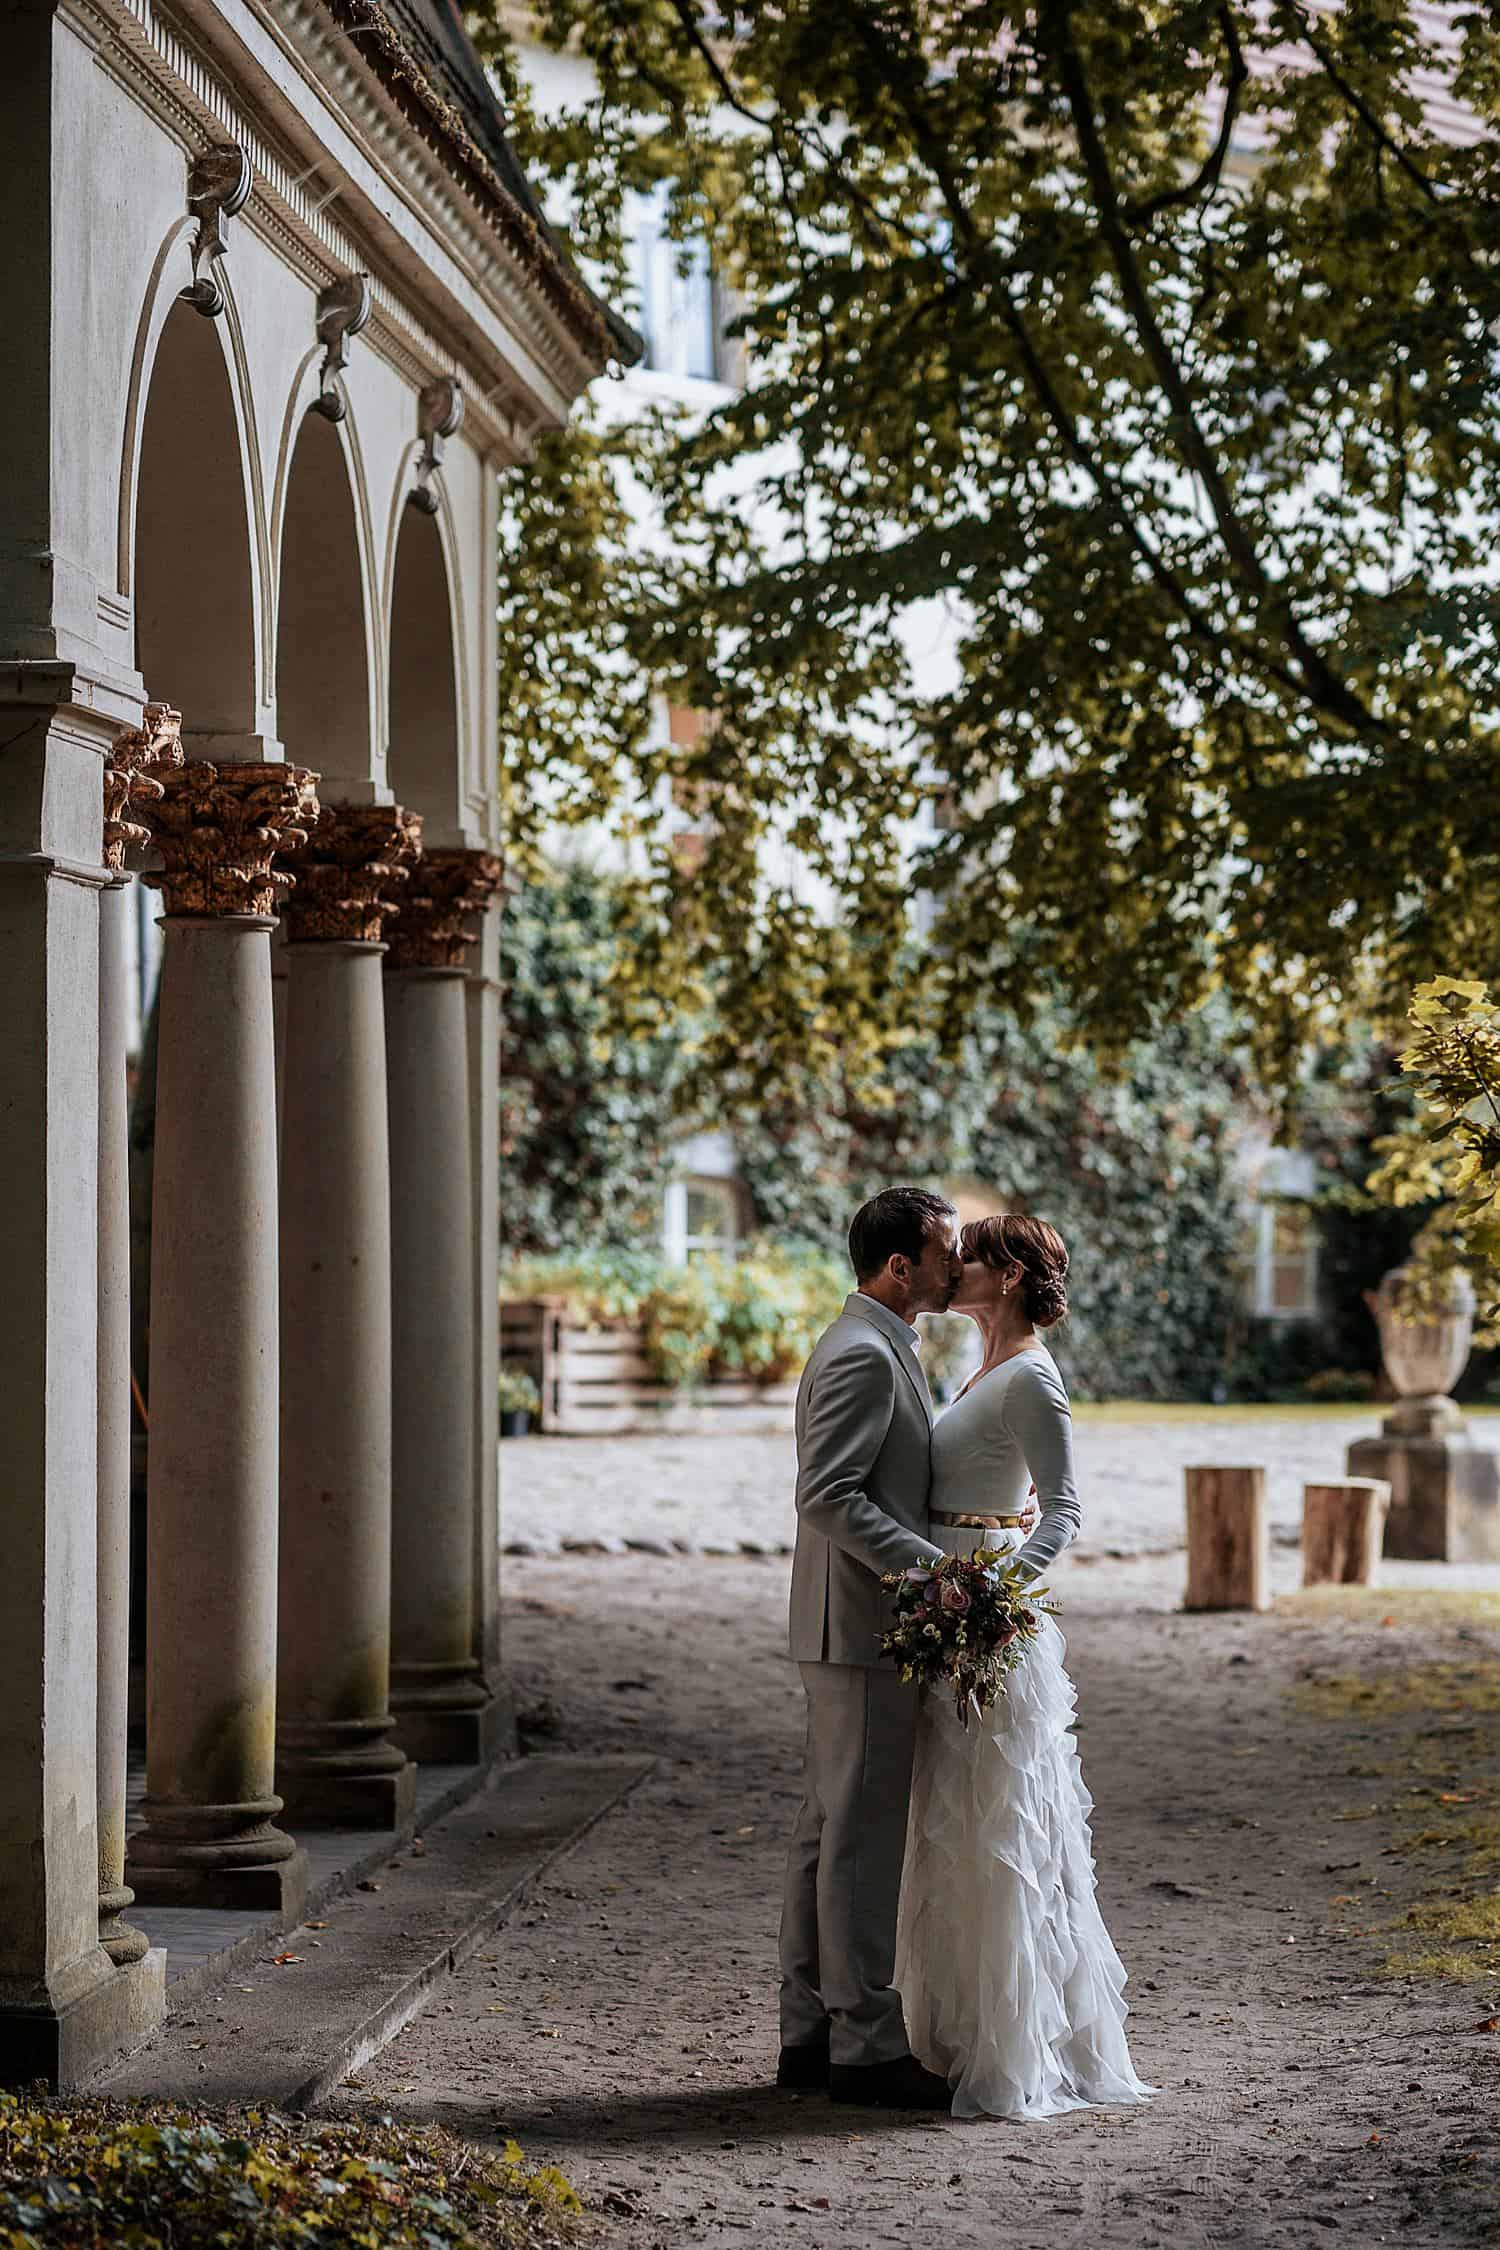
x=78 y=2175
x=758 y=1315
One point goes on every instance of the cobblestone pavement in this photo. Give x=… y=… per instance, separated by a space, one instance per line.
x=734 y=1494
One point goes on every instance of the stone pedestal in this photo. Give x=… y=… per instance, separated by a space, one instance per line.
x=445 y=1709
x=210 y=1837
x=1445 y=1488
x=335 y=1761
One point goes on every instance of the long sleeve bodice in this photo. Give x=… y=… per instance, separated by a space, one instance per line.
x=1013 y=1428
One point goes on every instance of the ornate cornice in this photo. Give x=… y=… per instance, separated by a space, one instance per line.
x=131 y=772
x=434 y=927
x=350 y=880
x=219 y=829
x=156 y=58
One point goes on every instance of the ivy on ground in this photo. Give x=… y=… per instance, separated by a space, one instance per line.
x=94 y=2175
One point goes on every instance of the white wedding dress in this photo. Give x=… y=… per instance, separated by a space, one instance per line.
x=1011 y=1986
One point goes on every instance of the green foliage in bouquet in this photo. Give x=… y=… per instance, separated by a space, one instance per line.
x=1447 y=1162
x=85 y=2174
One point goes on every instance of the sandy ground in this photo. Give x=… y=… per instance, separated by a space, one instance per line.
x=624 y=2027
x=722 y=1493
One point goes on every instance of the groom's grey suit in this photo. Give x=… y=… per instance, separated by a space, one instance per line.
x=864 y=1437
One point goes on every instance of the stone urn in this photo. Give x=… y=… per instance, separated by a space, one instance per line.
x=1423 y=1358
x=1445 y=1489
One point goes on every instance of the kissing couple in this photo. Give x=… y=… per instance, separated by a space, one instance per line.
x=941 y=1942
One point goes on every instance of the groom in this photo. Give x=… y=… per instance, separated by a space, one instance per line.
x=864 y=1430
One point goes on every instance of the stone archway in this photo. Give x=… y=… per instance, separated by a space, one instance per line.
x=424 y=762
x=323 y=693
x=194 y=572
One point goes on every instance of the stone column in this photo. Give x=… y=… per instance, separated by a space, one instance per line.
x=335 y=1763
x=210 y=1837
x=445 y=1710
x=483 y=1003
x=64 y=2006
x=129 y=784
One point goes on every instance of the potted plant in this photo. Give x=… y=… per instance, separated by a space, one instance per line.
x=519 y=1400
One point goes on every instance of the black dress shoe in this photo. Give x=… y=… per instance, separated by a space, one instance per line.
x=902 y=2083
x=804 y=2069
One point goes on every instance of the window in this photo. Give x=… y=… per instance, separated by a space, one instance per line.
x=679 y=313
x=702 y=1220
x=1286 y=1262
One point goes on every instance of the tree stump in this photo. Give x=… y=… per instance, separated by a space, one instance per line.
x=1228 y=1539
x=1342 y=1528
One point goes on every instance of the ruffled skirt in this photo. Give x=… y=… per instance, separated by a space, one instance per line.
x=1011 y=1985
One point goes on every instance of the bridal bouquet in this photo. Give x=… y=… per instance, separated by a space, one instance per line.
x=964 y=1621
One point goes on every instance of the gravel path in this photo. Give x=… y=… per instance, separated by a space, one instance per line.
x=624 y=2027
x=724 y=1494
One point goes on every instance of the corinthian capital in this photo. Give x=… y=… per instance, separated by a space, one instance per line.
x=131 y=777
x=350 y=880
x=435 y=923
x=219 y=829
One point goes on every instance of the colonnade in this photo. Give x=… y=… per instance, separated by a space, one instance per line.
x=315 y=1355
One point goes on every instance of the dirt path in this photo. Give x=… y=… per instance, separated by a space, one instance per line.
x=625 y=2027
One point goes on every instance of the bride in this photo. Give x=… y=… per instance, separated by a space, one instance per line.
x=1011 y=1986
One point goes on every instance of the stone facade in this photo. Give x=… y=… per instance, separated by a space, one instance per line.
x=282 y=306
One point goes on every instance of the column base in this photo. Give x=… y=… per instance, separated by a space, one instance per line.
x=331 y=1799
x=68 y=2044
x=217 y=1856
x=438 y=1733
x=122 y=1943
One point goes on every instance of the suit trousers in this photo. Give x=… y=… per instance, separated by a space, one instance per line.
x=843 y=1875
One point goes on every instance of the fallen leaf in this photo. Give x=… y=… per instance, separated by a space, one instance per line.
x=1487 y=2023
x=1373 y=2141
x=285 y=1960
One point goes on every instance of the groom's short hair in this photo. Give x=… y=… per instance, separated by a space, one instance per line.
x=895 y=1223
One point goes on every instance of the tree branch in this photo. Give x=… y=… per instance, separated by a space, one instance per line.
x=1320 y=680
x=1209 y=171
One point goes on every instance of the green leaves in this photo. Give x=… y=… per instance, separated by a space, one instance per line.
x=1138 y=356
x=1449 y=1158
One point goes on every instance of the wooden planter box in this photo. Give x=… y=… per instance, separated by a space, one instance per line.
x=597 y=1382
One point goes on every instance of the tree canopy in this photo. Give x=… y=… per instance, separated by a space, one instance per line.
x=1153 y=343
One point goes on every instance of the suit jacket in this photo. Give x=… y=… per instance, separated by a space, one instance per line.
x=864 y=1441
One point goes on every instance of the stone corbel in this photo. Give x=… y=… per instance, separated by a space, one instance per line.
x=440 y=410
x=343 y=309
x=218 y=186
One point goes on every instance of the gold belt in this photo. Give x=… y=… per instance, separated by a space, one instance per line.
x=984 y=1523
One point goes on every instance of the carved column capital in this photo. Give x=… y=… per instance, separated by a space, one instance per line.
x=434 y=925
x=351 y=878
x=131 y=775
x=219 y=829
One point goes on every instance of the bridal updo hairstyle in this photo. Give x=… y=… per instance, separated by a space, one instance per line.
x=1039 y=1251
